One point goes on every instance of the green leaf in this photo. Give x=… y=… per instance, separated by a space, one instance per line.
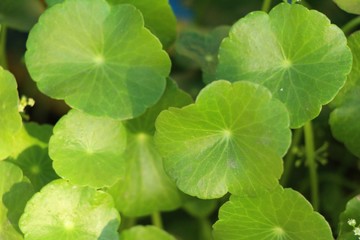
x=283 y=214
x=20 y=14
x=144 y=187
x=344 y=120
x=352 y=211
x=200 y=208
x=31 y=154
x=202 y=48
x=64 y=211
x=350 y=6
x=158 y=16
x=51 y=3
x=145 y=233
x=86 y=149
x=107 y=64
x=302 y=63
x=226 y=141
x=10 y=119
x=13 y=194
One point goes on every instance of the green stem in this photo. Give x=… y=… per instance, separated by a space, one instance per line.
x=310 y=159
x=127 y=222
x=3 y=61
x=206 y=229
x=291 y=156
x=349 y=27
x=266 y=5
x=156 y=219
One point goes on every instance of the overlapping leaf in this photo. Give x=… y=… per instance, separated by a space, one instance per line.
x=158 y=16
x=144 y=187
x=352 y=211
x=344 y=120
x=231 y=139
x=10 y=119
x=145 y=233
x=202 y=49
x=30 y=153
x=14 y=194
x=86 y=150
x=283 y=214
x=64 y=211
x=302 y=63
x=350 y=6
x=20 y=14
x=107 y=64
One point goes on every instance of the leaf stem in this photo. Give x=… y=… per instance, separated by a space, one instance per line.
x=348 y=27
x=310 y=159
x=291 y=156
x=266 y=5
x=3 y=61
x=156 y=220
x=206 y=228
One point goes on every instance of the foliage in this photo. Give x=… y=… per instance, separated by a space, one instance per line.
x=274 y=121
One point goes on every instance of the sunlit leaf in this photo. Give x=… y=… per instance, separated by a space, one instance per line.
x=10 y=119
x=107 y=64
x=144 y=187
x=302 y=63
x=64 y=211
x=226 y=141
x=283 y=214
x=86 y=150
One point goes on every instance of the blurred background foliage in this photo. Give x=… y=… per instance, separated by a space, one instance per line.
x=194 y=58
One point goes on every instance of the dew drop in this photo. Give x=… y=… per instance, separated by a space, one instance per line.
x=281 y=89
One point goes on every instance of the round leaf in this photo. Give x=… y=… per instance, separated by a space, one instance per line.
x=31 y=154
x=227 y=140
x=283 y=214
x=350 y=6
x=352 y=211
x=159 y=18
x=20 y=14
x=63 y=211
x=344 y=120
x=12 y=200
x=302 y=63
x=86 y=149
x=145 y=233
x=10 y=119
x=105 y=62
x=144 y=187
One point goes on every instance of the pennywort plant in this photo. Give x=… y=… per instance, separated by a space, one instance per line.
x=134 y=148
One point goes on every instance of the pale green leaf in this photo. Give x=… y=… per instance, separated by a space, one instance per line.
x=86 y=149
x=10 y=119
x=226 y=141
x=64 y=211
x=145 y=233
x=144 y=187
x=302 y=63
x=283 y=214
x=104 y=61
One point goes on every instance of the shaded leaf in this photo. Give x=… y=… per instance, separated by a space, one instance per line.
x=352 y=211
x=145 y=233
x=350 y=6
